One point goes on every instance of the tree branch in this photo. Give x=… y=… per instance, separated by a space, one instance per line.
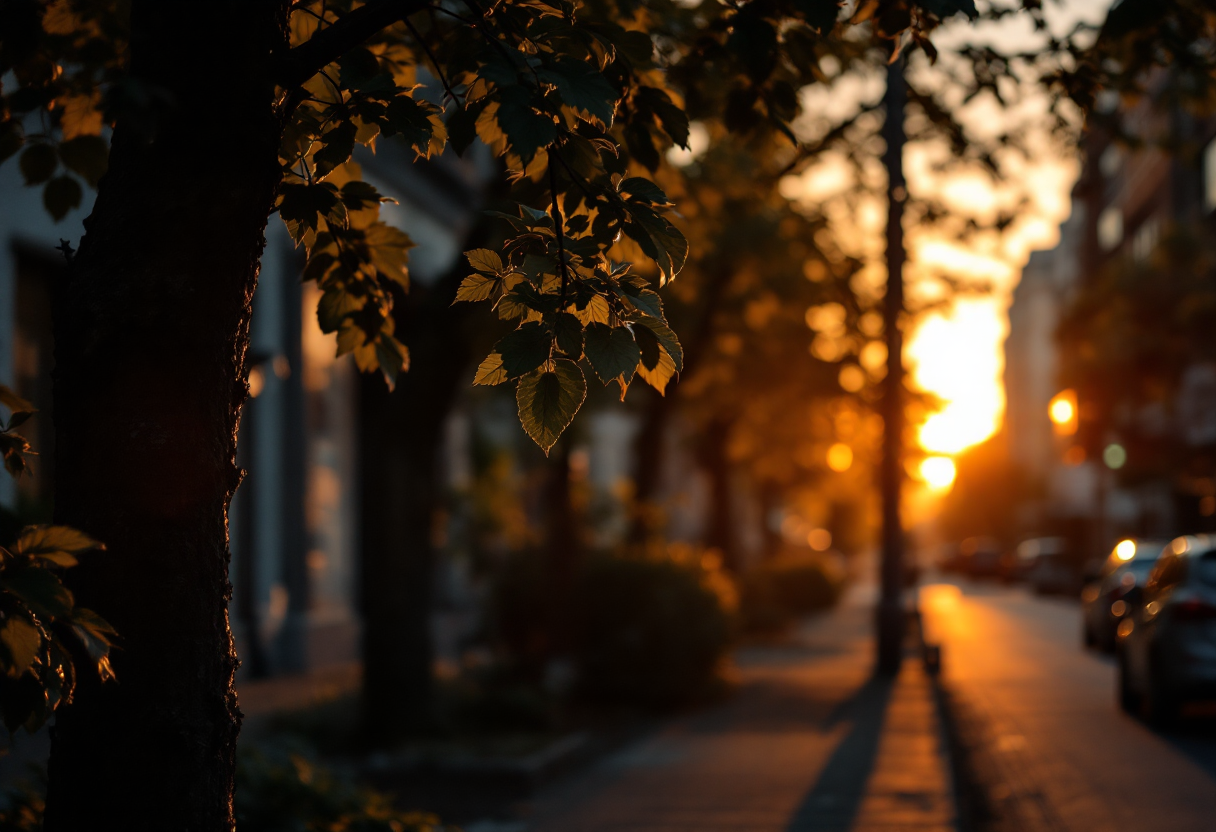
x=304 y=61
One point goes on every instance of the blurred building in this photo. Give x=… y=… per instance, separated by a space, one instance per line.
x=1131 y=466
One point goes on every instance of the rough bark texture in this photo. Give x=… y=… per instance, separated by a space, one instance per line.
x=151 y=332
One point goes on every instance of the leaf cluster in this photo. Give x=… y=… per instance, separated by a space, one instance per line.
x=42 y=631
x=66 y=62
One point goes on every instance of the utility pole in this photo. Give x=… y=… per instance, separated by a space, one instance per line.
x=890 y=614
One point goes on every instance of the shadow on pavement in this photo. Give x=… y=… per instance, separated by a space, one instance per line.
x=833 y=802
x=1196 y=738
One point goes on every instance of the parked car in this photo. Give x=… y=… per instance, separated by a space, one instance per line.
x=1053 y=574
x=1167 y=647
x=1114 y=592
x=1016 y=564
x=979 y=557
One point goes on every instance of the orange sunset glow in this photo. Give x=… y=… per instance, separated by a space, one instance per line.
x=955 y=350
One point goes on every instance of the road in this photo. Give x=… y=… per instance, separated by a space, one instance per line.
x=1056 y=751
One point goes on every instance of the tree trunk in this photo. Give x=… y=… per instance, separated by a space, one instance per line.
x=151 y=334
x=401 y=434
x=720 y=529
x=562 y=547
x=650 y=448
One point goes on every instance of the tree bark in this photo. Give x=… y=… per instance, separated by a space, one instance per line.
x=151 y=335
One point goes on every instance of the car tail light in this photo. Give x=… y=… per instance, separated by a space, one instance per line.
x=1194 y=610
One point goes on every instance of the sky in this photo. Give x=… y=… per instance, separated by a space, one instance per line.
x=955 y=345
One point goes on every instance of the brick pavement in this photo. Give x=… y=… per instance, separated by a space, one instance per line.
x=810 y=743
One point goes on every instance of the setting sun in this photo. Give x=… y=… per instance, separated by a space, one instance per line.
x=957 y=357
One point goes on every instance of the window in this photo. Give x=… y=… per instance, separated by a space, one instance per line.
x=1110 y=228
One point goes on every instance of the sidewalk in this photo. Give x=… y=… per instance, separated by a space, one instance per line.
x=810 y=743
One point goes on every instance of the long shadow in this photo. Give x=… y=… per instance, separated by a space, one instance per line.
x=833 y=802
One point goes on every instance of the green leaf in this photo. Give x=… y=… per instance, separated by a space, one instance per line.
x=640 y=189
x=335 y=306
x=568 y=331
x=548 y=401
x=490 y=371
x=527 y=131
x=359 y=196
x=58 y=544
x=87 y=156
x=666 y=338
x=477 y=287
x=40 y=590
x=20 y=642
x=462 y=129
x=38 y=163
x=649 y=346
x=484 y=260
x=339 y=145
x=645 y=301
x=61 y=195
x=582 y=87
x=612 y=351
x=659 y=239
x=524 y=349
x=674 y=120
x=661 y=374
x=411 y=120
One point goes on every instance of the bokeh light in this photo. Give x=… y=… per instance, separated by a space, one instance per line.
x=1126 y=550
x=819 y=539
x=840 y=457
x=1115 y=456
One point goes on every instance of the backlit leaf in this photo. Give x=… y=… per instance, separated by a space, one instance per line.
x=484 y=260
x=524 y=349
x=661 y=375
x=20 y=641
x=59 y=544
x=477 y=287
x=490 y=371
x=612 y=351
x=548 y=400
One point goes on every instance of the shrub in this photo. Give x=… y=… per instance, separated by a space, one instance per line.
x=281 y=790
x=777 y=592
x=652 y=629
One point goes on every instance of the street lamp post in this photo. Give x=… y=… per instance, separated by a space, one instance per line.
x=891 y=612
